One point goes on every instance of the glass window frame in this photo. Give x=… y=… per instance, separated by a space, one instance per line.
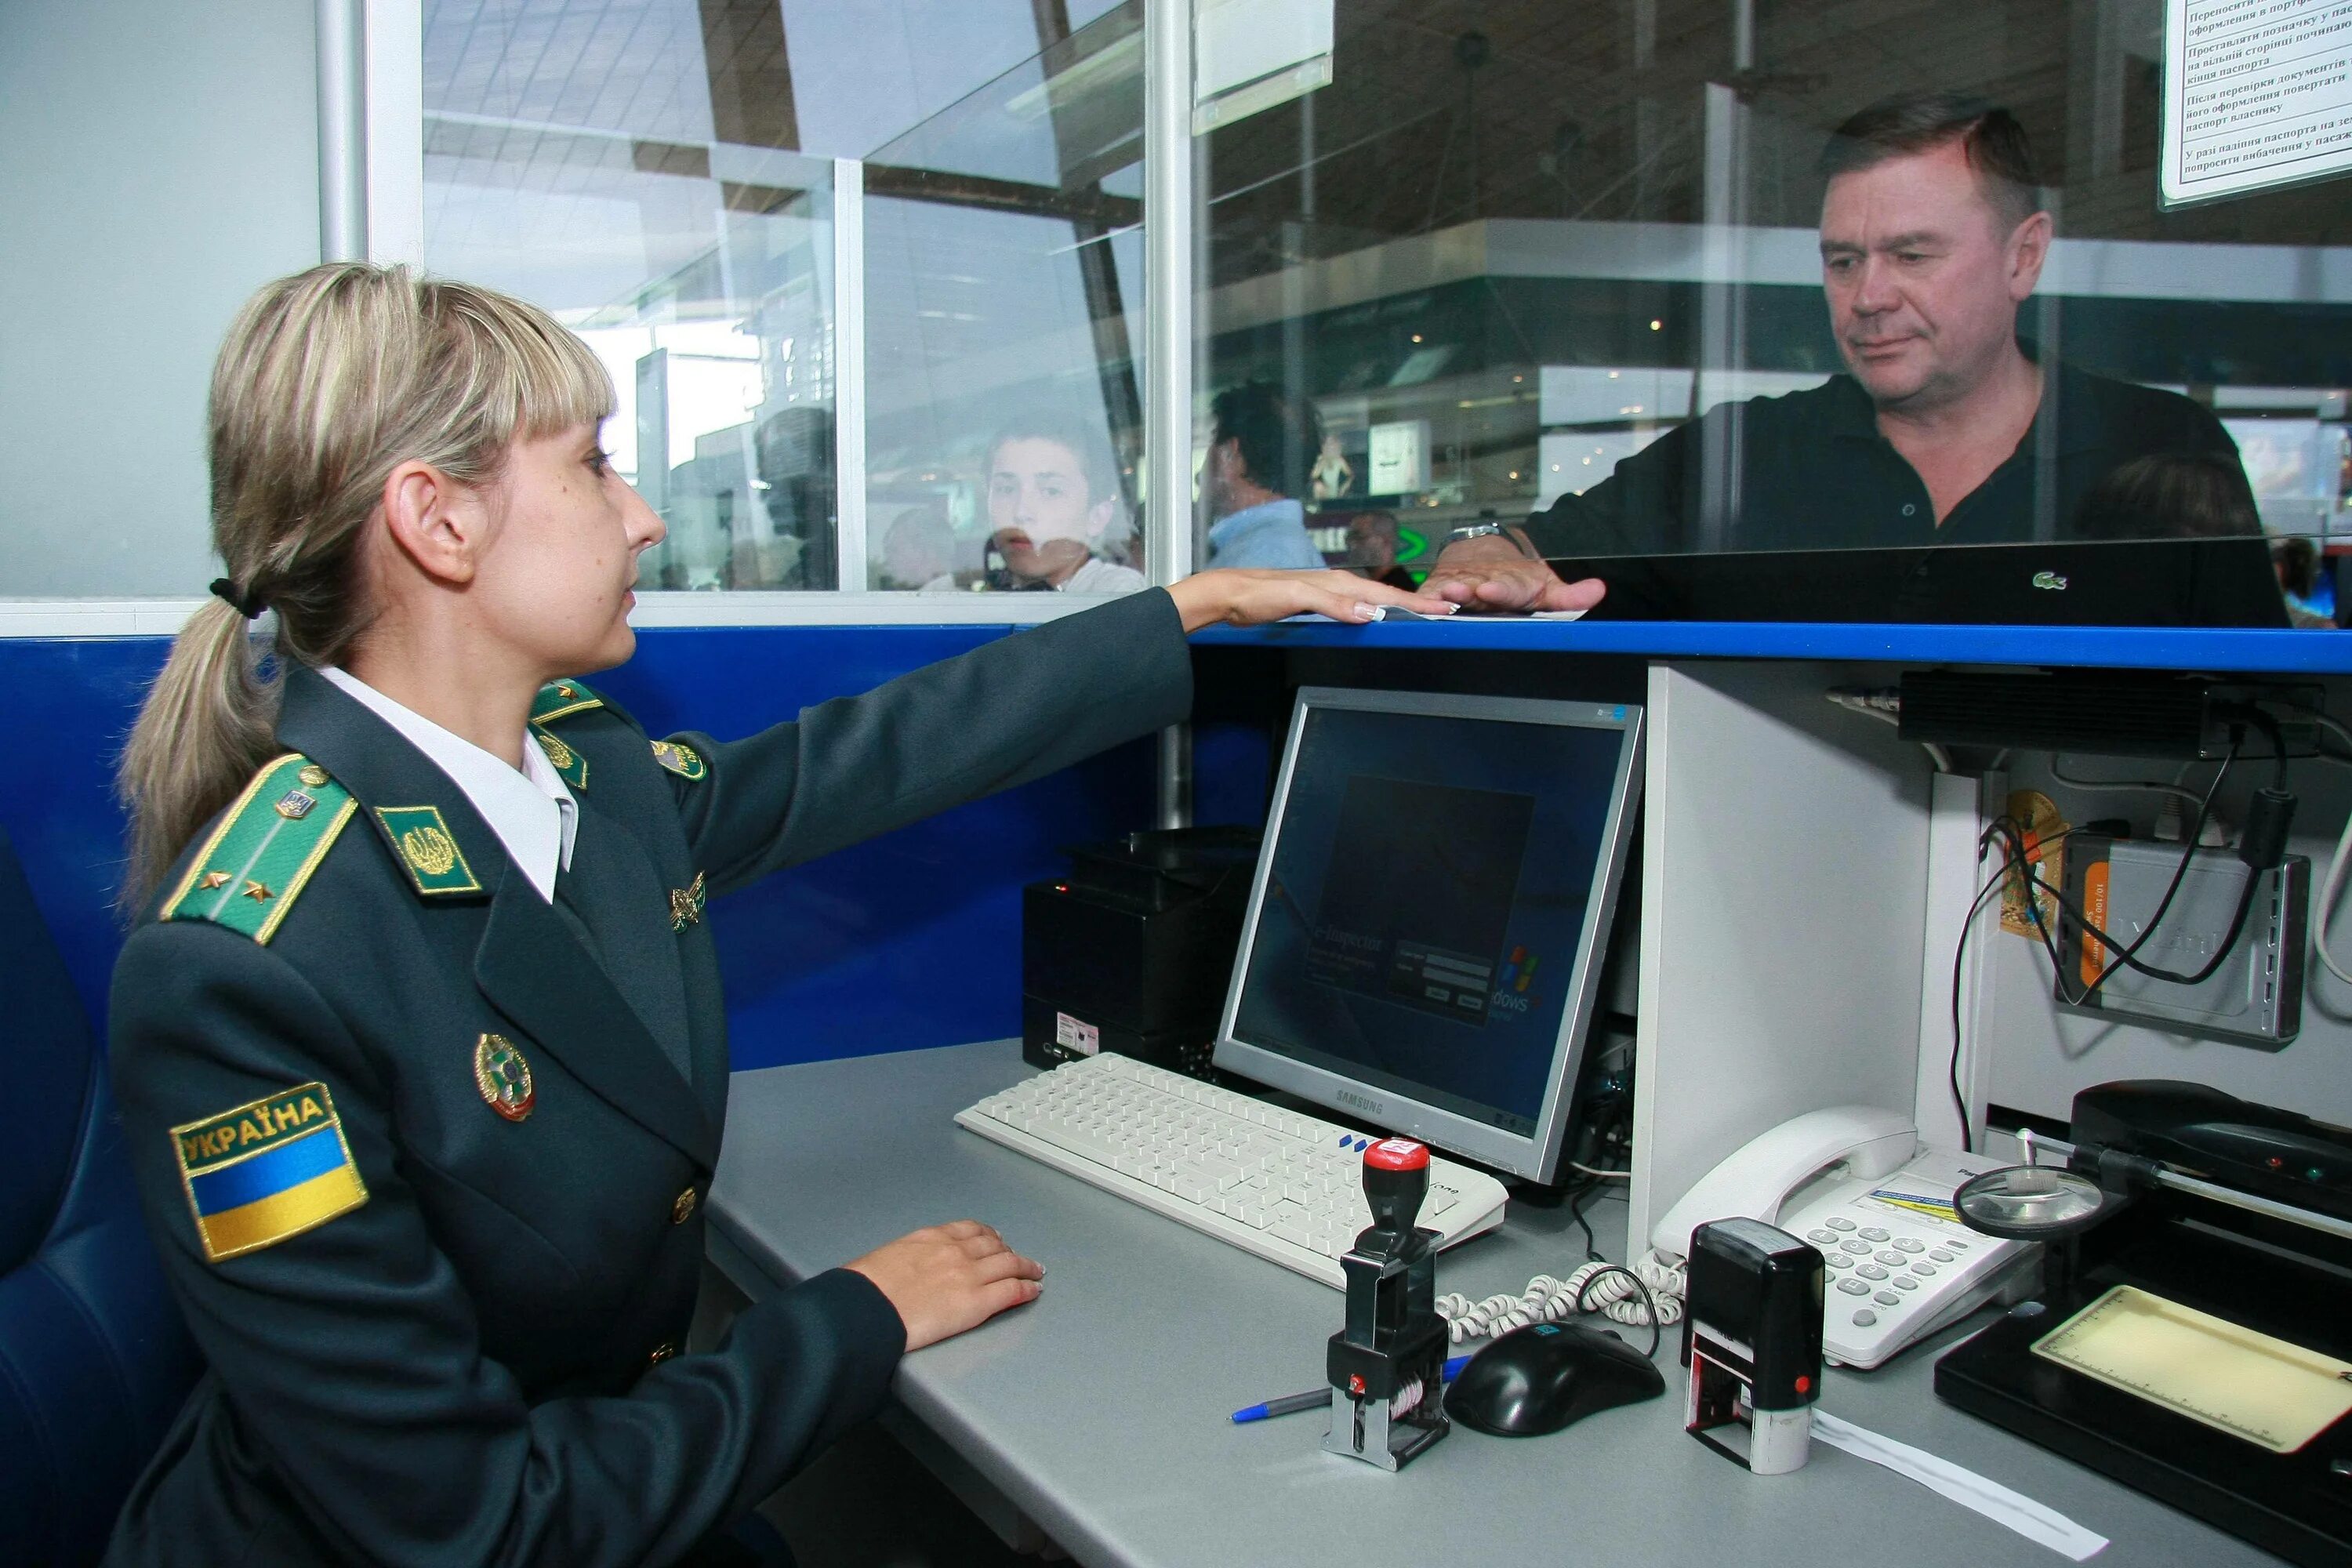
x=395 y=160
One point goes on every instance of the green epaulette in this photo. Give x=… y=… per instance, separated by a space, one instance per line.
x=561 y=699
x=259 y=859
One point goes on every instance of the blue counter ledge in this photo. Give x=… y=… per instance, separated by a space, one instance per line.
x=2128 y=647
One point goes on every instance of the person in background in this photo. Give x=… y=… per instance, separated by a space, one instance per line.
x=1054 y=507
x=1261 y=445
x=919 y=550
x=1372 y=550
x=1946 y=428
x=1333 y=473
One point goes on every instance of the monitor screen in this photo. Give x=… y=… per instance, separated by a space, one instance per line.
x=1432 y=908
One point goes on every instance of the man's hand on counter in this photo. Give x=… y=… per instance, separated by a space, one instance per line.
x=1238 y=597
x=1492 y=575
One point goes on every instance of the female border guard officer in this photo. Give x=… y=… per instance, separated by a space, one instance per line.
x=420 y=1042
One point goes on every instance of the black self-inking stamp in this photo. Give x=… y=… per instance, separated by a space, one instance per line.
x=1386 y=1365
x=1752 y=1340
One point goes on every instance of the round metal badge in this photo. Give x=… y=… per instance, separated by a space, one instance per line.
x=503 y=1077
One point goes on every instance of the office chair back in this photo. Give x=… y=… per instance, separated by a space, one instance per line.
x=94 y=1358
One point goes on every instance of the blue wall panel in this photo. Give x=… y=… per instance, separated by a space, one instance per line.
x=67 y=706
x=911 y=940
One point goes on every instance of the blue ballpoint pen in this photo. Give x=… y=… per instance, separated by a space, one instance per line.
x=1291 y=1403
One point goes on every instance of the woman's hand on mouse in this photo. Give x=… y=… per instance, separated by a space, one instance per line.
x=1243 y=598
x=945 y=1278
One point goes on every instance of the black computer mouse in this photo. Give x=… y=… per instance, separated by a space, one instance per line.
x=1540 y=1378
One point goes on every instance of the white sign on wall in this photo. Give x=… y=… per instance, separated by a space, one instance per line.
x=2257 y=93
x=1250 y=55
x=1398 y=457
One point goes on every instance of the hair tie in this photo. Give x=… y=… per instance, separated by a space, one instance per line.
x=249 y=607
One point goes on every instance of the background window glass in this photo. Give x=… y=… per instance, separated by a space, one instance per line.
x=1512 y=257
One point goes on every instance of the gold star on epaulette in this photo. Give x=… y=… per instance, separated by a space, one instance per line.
x=214 y=879
x=257 y=891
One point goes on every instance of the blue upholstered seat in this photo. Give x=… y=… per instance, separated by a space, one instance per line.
x=94 y=1359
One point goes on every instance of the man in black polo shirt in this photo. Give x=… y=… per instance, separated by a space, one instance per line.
x=1947 y=428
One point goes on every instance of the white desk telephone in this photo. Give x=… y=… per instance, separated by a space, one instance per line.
x=1856 y=1182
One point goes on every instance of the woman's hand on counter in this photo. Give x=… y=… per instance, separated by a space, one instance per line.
x=945 y=1278
x=1240 y=597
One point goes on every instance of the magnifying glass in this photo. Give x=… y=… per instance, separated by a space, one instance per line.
x=2031 y=1203
x=2037 y=1203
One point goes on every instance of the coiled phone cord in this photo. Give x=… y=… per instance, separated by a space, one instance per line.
x=1550 y=1301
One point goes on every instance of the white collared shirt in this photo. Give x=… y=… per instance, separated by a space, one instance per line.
x=532 y=812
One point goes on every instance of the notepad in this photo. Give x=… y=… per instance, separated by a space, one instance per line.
x=2272 y=1394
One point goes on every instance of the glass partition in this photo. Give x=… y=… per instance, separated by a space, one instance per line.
x=1004 y=293
x=619 y=167
x=1683 y=295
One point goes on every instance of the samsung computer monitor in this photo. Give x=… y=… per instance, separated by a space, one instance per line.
x=1425 y=935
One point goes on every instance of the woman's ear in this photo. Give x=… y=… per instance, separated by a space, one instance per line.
x=1098 y=517
x=438 y=524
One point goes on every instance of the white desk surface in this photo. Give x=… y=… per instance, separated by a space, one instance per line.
x=1101 y=1409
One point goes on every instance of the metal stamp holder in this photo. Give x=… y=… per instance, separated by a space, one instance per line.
x=1386 y=1366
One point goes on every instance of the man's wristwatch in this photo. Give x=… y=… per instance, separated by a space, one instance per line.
x=1487 y=531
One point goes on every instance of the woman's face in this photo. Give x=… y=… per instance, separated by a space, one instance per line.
x=555 y=576
x=1039 y=507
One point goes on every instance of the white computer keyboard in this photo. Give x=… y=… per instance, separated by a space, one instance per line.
x=1287 y=1187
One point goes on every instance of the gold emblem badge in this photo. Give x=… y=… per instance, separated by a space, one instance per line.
x=312 y=775
x=294 y=804
x=430 y=850
x=684 y=760
x=568 y=764
x=503 y=1077
x=686 y=904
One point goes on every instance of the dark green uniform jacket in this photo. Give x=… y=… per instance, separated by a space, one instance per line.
x=470 y=1358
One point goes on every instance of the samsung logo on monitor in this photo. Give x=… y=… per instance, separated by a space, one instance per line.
x=1364 y=1102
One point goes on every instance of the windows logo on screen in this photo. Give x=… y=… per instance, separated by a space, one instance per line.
x=1511 y=984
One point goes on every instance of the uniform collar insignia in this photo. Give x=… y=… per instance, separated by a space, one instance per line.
x=682 y=761
x=428 y=852
x=570 y=765
x=377 y=764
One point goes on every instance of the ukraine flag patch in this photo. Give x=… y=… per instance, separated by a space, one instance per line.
x=266 y=1171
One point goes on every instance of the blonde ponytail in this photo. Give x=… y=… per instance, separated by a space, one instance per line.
x=326 y=382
